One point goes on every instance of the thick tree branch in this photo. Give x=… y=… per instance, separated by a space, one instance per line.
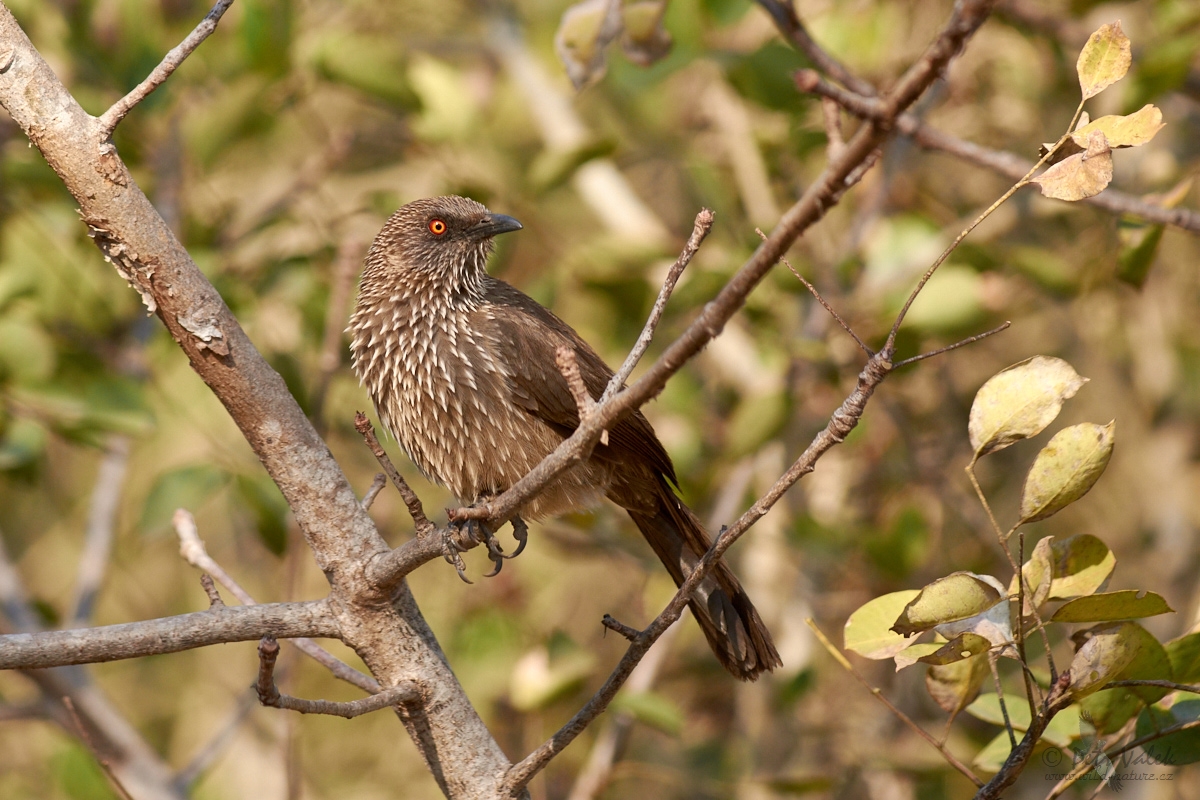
x=385 y=628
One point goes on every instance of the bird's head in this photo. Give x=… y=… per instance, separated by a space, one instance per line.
x=439 y=240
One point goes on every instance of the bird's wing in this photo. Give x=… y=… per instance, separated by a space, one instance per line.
x=531 y=334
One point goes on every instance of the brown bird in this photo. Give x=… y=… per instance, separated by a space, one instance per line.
x=462 y=370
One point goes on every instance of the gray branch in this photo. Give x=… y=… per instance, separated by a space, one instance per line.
x=166 y=635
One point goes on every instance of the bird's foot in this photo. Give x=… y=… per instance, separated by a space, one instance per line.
x=464 y=535
x=453 y=545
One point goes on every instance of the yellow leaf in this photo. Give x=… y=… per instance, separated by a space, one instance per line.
x=1104 y=60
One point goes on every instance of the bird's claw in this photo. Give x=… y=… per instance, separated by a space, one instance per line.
x=471 y=532
x=451 y=549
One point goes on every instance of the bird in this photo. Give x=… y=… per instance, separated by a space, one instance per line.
x=462 y=370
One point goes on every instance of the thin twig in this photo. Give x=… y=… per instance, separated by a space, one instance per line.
x=191 y=547
x=700 y=229
x=377 y=486
x=268 y=693
x=118 y=787
x=210 y=589
x=955 y=346
x=614 y=624
x=813 y=291
x=783 y=13
x=421 y=523
x=878 y=694
x=1008 y=726
x=113 y=116
x=564 y=359
x=101 y=526
x=831 y=113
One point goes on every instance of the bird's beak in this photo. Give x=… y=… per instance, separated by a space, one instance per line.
x=494 y=224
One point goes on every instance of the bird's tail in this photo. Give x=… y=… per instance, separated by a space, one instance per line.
x=729 y=620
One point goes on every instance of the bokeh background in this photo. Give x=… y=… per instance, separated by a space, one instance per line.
x=284 y=142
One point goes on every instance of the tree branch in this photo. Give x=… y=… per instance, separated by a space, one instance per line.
x=268 y=692
x=112 y=118
x=166 y=635
x=1008 y=165
x=823 y=194
x=385 y=628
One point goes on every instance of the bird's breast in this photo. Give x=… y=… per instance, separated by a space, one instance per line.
x=442 y=387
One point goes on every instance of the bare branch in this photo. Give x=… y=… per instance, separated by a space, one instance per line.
x=614 y=624
x=700 y=229
x=833 y=127
x=210 y=589
x=102 y=518
x=783 y=13
x=1008 y=165
x=813 y=291
x=166 y=635
x=191 y=547
x=955 y=346
x=564 y=359
x=268 y=693
x=111 y=118
x=377 y=486
x=420 y=522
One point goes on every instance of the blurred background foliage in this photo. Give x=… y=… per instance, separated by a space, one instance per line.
x=280 y=147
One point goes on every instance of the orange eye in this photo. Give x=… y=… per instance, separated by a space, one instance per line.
x=437 y=227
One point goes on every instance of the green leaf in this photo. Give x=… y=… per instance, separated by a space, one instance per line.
x=1112 y=606
x=868 y=630
x=644 y=41
x=1107 y=651
x=954 y=686
x=1082 y=565
x=23 y=443
x=1104 y=60
x=584 y=31
x=960 y=648
x=1110 y=709
x=1175 y=749
x=651 y=708
x=1184 y=653
x=993 y=755
x=1066 y=469
x=959 y=596
x=1139 y=247
x=1020 y=402
x=1038 y=572
x=1061 y=730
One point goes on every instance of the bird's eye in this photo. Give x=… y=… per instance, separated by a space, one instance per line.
x=437 y=227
